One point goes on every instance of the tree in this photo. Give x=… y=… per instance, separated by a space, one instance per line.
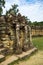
x=28 y=20
x=13 y=10
x=2 y=3
x=41 y=23
x=35 y=23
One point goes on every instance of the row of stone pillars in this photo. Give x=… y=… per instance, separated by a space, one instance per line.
x=27 y=41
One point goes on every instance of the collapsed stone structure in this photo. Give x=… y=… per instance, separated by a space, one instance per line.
x=15 y=34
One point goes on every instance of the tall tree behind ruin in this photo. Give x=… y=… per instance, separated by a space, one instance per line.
x=13 y=10
x=2 y=4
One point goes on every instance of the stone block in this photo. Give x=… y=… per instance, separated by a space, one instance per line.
x=2 y=58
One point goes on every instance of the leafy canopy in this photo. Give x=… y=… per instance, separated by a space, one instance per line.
x=2 y=3
x=13 y=10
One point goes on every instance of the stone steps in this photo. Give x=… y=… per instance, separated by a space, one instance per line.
x=20 y=56
x=2 y=49
x=9 y=60
x=2 y=58
x=1 y=45
x=27 y=53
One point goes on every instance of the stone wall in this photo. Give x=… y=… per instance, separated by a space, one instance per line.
x=37 y=30
x=15 y=33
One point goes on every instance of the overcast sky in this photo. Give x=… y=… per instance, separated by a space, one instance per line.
x=33 y=9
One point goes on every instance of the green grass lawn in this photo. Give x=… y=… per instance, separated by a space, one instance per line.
x=38 y=42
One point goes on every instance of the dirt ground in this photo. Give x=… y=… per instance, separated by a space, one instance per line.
x=36 y=59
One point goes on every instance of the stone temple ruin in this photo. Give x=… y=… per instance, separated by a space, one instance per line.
x=15 y=38
x=15 y=34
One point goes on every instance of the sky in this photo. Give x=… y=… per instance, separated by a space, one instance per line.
x=33 y=9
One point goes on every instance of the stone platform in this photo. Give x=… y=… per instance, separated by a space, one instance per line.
x=16 y=57
x=2 y=58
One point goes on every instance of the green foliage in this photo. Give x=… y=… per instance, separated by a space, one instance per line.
x=28 y=20
x=2 y=3
x=13 y=10
x=37 y=23
x=0 y=11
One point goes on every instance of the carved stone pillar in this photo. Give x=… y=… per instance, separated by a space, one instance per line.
x=26 y=47
x=18 y=47
x=30 y=35
x=26 y=34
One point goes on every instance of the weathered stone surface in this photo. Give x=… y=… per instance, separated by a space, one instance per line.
x=2 y=49
x=2 y=58
x=20 y=56
x=10 y=60
x=27 y=53
x=15 y=33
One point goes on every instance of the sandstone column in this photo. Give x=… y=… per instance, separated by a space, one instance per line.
x=18 y=48
x=30 y=40
x=26 y=47
x=26 y=34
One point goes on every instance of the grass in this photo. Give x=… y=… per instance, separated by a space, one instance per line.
x=38 y=42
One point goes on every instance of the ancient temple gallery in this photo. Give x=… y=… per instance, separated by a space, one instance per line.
x=15 y=34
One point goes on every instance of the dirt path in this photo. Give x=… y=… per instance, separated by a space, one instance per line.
x=36 y=59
